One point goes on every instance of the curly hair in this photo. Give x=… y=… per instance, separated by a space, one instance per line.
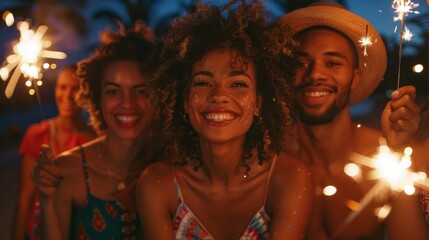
x=135 y=45
x=244 y=29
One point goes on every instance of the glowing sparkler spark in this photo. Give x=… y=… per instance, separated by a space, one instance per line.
x=407 y=35
x=402 y=8
x=26 y=58
x=365 y=42
x=392 y=171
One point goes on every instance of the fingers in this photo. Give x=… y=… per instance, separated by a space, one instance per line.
x=405 y=90
x=405 y=112
x=47 y=155
x=405 y=97
x=47 y=175
x=46 y=172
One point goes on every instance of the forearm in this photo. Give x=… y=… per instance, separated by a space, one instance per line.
x=50 y=222
x=19 y=222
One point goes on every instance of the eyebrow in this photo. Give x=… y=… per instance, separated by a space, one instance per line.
x=329 y=54
x=117 y=85
x=204 y=73
x=231 y=74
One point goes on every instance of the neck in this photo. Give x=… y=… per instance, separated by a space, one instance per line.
x=330 y=142
x=222 y=161
x=69 y=123
x=123 y=153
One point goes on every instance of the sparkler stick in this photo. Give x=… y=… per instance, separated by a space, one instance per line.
x=402 y=8
x=365 y=42
x=400 y=46
x=39 y=100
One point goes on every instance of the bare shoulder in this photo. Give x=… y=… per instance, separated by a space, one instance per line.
x=156 y=177
x=287 y=163
x=290 y=170
x=291 y=188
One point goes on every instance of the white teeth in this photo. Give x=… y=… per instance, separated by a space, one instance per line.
x=219 y=116
x=316 y=94
x=127 y=118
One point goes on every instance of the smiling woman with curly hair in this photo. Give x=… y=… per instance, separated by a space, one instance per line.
x=224 y=102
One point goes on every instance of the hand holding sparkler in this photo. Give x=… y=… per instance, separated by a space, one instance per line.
x=46 y=175
x=400 y=118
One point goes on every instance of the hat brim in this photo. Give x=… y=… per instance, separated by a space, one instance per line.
x=372 y=66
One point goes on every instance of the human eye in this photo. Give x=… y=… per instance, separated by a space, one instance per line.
x=61 y=87
x=111 y=91
x=303 y=63
x=240 y=83
x=201 y=83
x=141 y=91
x=333 y=63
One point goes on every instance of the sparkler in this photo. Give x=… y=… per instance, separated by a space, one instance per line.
x=27 y=56
x=391 y=169
x=403 y=8
x=365 y=42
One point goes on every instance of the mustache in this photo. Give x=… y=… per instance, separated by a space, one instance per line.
x=301 y=86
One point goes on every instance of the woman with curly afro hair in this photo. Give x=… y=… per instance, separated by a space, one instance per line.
x=88 y=192
x=224 y=99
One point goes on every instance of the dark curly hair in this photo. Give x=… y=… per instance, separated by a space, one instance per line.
x=243 y=28
x=135 y=45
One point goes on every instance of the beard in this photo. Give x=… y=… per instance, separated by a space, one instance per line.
x=328 y=116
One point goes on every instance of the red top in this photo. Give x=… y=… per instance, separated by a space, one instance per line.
x=40 y=133
x=36 y=135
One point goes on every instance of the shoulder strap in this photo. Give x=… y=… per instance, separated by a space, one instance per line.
x=52 y=136
x=179 y=196
x=85 y=170
x=273 y=162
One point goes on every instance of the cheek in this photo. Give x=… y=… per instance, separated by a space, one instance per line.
x=105 y=104
x=297 y=78
x=248 y=102
x=148 y=109
x=195 y=100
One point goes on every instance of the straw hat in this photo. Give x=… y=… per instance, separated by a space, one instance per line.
x=372 y=66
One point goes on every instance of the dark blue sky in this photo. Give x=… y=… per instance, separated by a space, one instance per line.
x=378 y=12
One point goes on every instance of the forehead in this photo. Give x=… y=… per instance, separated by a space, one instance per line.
x=123 y=71
x=66 y=77
x=225 y=59
x=325 y=39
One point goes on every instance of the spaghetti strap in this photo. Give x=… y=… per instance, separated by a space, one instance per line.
x=85 y=170
x=273 y=162
x=179 y=196
x=52 y=136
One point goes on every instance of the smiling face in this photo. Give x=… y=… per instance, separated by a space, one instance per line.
x=124 y=103
x=65 y=92
x=326 y=75
x=222 y=98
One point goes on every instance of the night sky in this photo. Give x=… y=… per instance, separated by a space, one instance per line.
x=22 y=109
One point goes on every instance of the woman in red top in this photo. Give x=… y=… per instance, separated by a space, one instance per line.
x=64 y=131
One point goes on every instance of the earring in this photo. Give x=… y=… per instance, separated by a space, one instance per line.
x=185 y=117
x=257 y=119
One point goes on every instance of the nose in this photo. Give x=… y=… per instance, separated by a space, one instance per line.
x=219 y=94
x=316 y=71
x=70 y=93
x=128 y=100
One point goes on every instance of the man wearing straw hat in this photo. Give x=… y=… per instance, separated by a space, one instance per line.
x=335 y=72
